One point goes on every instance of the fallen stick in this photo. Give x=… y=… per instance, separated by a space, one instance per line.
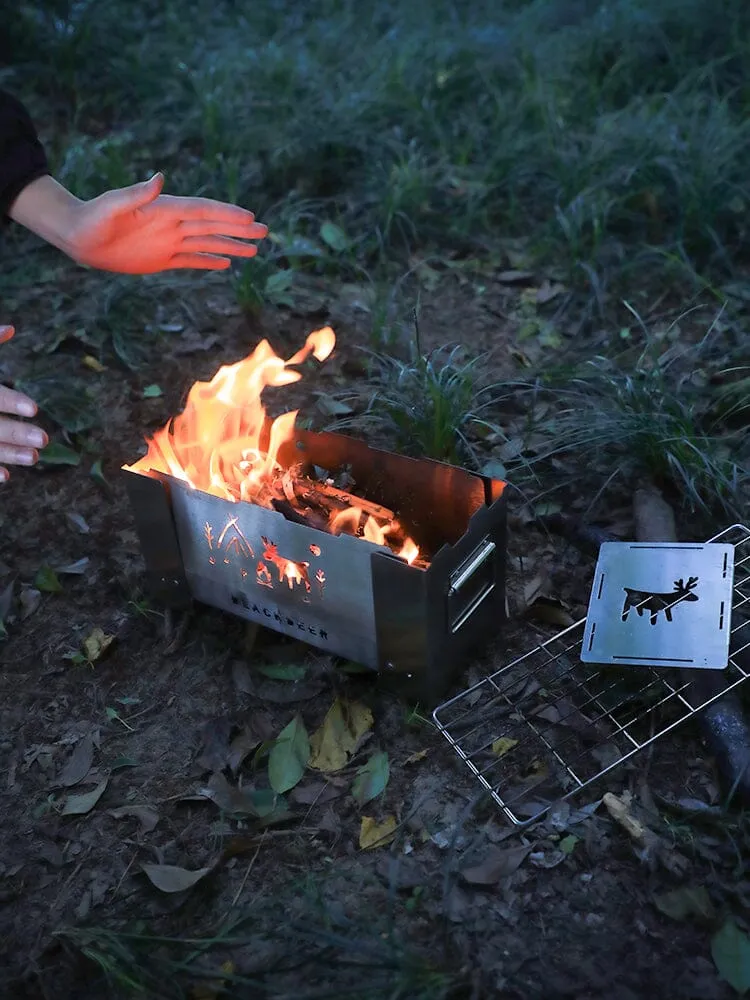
x=722 y=723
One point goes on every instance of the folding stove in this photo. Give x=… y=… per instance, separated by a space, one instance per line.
x=406 y=575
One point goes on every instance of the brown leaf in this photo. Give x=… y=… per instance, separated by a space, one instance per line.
x=215 y=746
x=315 y=794
x=96 y=645
x=343 y=728
x=170 y=878
x=78 y=764
x=146 y=816
x=533 y=588
x=227 y=797
x=79 y=805
x=241 y=747
x=498 y=863
x=550 y=611
x=374 y=834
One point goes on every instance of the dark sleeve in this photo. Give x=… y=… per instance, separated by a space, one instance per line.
x=22 y=157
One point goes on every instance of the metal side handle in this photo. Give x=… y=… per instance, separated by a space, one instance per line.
x=470 y=584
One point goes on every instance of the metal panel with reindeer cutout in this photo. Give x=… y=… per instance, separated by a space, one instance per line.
x=661 y=605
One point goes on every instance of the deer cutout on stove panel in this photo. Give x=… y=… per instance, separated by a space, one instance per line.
x=654 y=602
x=289 y=570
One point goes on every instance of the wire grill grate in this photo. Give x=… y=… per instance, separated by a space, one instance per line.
x=545 y=726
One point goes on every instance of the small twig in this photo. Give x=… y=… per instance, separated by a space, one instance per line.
x=124 y=875
x=247 y=873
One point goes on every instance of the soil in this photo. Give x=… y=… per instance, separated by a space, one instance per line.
x=158 y=710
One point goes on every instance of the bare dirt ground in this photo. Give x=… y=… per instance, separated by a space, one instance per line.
x=150 y=723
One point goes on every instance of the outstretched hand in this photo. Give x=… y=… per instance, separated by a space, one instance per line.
x=138 y=230
x=18 y=441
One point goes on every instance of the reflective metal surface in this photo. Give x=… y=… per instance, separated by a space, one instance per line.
x=544 y=726
x=340 y=593
x=660 y=605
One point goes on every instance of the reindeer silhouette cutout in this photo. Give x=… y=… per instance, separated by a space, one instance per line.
x=293 y=572
x=654 y=602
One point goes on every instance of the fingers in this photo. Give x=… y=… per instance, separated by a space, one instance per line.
x=16 y=403
x=206 y=208
x=4 y=475
x=210 y=227
x=201 y=261
x=6 y=333
x=218 y=244
x=18 y=456
x=26 y=436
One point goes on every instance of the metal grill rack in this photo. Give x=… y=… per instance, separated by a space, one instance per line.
x=545 y=726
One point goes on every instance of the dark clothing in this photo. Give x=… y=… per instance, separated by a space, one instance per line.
x=22 y=157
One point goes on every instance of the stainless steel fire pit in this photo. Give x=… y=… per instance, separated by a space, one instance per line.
x=415 y=624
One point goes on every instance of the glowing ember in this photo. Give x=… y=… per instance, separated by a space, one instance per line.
x=214 y=445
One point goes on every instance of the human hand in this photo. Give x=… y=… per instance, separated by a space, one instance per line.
x=18 y=441
x=137 y=229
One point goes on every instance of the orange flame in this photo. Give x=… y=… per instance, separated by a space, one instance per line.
x=214 y=445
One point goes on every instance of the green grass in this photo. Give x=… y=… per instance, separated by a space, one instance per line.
x=591 y=128
x=306 y=952
x=654 y=415
x=610 y=142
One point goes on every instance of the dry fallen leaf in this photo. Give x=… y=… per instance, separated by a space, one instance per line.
x=30 y=599
x=549 y=611
x=332 y=745
x=415 y=757
x=78 y=764
x=79 y=805
x=498 y=863
x=373 y=834
x=170 y=878
x=96 y=645
x=146 y=816
x=93 y=364
x=503 y=745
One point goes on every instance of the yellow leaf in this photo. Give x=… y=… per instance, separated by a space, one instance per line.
x=211 y=990
x=503 y=745
x=345 y=724
x=373 y=834
x=413 y=758
x=537 y=769
x=93 y=364
x=96 y=645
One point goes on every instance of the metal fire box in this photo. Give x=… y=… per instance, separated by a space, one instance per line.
x=341 y=593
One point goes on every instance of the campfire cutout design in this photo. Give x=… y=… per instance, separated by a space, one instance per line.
x=655 y=602
x=293 y=572
x=237 y=542
x=223 y=444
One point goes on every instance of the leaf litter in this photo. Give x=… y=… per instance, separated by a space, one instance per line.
x=171 y=878
x=289 y=756
x=371 y=779
x=80 y=805
x=376 y=833
x=333 y=745
x=78 y=764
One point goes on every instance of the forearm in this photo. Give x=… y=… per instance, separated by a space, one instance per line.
x=47 y=209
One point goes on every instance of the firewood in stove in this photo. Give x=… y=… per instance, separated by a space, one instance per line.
x=308 y=517
x=346 y=499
